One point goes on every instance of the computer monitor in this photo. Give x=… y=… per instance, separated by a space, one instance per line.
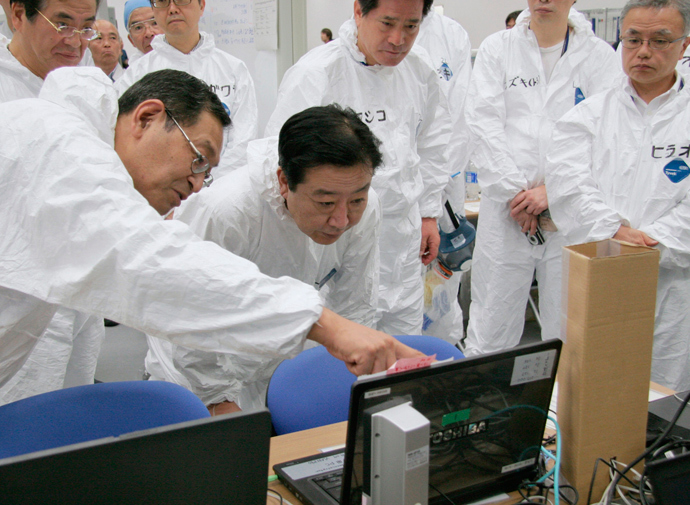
x=487 y=414
x=210 y=461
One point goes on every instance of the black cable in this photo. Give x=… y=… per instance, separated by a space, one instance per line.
x=280 y=496
x=652 y=448
x=594 y=474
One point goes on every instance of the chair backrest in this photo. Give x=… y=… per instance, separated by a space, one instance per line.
x=313 y=389
x=84 y=413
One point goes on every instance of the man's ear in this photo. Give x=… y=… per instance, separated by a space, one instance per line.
x=282 y=183
x=146 y=114
x=18 y=14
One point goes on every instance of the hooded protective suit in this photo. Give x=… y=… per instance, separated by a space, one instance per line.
x=67 y=353
x=511 y=109
x=404 y=107
x=246 y=215
x=611 y=165
x=227 y=75
x=75 y=232
x=16 y=81
x=450 y=50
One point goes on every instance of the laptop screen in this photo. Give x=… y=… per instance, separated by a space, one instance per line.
x=211 y=461
x=487 y=417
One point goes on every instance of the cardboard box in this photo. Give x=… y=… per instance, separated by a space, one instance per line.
x=609 y=296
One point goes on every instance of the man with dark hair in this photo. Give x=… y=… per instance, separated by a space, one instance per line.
x=80 y=226
x=373 y=68
x=511 y=19
x=48 y=34
x=185 y=48
x=303 y=207
x=326 y=35
x=618 y=168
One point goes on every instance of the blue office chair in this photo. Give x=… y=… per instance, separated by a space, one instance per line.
x=84 y=413
x=313 y=388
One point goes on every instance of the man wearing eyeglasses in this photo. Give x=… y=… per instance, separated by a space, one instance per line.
x=81 y=226
x=141 y=27
x=106 y=49
x=185 y=48
x=302 y=207
x=48 y=34
x=619 y=168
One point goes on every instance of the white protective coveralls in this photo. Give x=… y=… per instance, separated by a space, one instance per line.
x=450 y=50
x=684 y=64
x=511 y=110
x=75 y=232
x=67 y=353
x=227 y=75
x=246 y=215
x=406 y=110
x=613 y=165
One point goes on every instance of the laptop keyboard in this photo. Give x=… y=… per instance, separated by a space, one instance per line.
x=332 y=483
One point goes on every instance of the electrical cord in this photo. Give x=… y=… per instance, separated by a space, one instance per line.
x=651 y=449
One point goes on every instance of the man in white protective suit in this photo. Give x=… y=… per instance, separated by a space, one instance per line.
x=141 y=27
x=450 y=51
x=373 y=68
x=523 y=80
x=106 y=49
x=67 y=353
x=85 y=182
x=185 y=48
x=303 y=207
x=619 y=167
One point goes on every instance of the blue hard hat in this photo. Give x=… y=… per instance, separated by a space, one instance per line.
x=132 y=5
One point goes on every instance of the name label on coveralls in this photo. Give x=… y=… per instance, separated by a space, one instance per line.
x=676 y=170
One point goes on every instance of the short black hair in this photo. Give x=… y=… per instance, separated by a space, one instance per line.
x=31 y=7
x=369 y=5
x=185 y=97
x=328 y=33
x=325 y=135
x=513 y=15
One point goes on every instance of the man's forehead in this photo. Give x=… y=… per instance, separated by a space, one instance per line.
x=106 y=28
x=140 y=14
x=63 y=5
x=659 y=21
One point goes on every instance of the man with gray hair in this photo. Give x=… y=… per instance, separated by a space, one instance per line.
x=619 y=167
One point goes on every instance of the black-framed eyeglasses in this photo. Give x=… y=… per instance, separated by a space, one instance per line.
x=200 y=164
x=656 y=44
x=66 y=32
x=163 y=4
x=140 y=26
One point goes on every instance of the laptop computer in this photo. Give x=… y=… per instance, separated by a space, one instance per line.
x=211 y=461
x=487 y=414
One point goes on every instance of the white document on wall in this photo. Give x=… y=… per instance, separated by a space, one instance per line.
x=266 y=25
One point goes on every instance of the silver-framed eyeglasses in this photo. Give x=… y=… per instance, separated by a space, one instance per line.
x=70 y=31
x=140 y=26
x=200 y=164
x=656 y=44
x=163 y=4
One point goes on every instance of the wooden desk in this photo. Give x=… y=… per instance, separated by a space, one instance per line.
x=300 y=444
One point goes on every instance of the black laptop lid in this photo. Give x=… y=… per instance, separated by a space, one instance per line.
x=487 y=414
x=211 y=461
